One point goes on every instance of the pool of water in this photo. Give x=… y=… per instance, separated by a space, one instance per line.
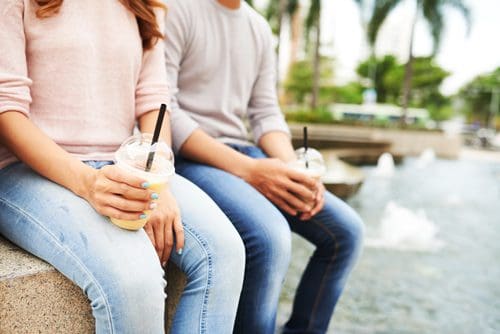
x=431 y=262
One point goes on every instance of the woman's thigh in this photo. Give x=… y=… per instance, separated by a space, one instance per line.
x=213 y=260
x=112 y=266
x=209 y=235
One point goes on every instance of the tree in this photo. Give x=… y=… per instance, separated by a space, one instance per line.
x=482 y=97
x=313 y=22
x=299 y=82
x=427 y=78
x=277 y=11
x=433 y=13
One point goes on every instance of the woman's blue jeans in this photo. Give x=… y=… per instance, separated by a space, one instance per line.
x=119 y=270
x=336 y=231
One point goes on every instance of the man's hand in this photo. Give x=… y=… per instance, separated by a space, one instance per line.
x=165 y=226
x=319 y=202
x=290 y=190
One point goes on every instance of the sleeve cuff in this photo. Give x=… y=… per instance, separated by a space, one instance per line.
x=146 y=102
x=22 y=108
x=270 y=123
x=182 y=127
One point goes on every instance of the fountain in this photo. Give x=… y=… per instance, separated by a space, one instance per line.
x=385 y=165
x=403 y=229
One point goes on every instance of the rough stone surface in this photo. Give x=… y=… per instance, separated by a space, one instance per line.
x=35 y=298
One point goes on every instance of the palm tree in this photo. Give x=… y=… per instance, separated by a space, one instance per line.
x=276 y=12
x=433 y=13
x=313 y=21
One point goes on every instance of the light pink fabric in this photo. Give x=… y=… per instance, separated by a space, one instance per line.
x=80 y=75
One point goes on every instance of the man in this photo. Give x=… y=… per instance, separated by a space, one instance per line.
x=221 y=66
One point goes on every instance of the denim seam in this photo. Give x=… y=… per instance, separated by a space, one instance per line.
x=204 y=245
x=68 y=252
x=322 y=285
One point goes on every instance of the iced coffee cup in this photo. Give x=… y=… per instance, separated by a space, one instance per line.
x=132 y=157
x=309 y=161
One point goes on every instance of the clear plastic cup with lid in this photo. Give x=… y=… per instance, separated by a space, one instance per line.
x=132 y=156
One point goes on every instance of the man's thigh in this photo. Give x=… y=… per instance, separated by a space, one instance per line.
x=249 y=211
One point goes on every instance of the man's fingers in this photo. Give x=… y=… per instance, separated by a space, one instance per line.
x=302 y=178
x=303 y=192
x=293 y=201
x=282 y=205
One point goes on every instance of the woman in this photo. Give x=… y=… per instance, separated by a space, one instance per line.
x=75 y=78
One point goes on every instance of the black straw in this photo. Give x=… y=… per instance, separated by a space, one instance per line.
x=305 y=146
x=156 y=135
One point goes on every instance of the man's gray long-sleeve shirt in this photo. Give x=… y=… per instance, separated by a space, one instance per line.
x=221 y=70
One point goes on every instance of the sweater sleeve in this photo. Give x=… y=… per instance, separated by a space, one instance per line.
x=176 y=45
x=264 y=112
x=152 y=87
x=14 y=81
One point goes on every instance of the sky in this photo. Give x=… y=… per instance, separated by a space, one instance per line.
x=464 y=56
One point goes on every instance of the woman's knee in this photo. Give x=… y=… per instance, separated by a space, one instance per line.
x=212 y=257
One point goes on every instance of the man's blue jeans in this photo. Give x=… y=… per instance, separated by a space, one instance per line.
x=119 y=270
x=336 y=231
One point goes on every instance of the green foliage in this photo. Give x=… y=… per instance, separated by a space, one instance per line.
x=350 y=93
x=299 y=81
x=478 y=96
x=427 y=78
x=386 y=75
x=319 y=115
x=250 y=2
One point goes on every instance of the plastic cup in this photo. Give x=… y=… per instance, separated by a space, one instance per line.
x=132 y=156
x=309 y=162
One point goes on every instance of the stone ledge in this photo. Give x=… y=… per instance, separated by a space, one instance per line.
x=36 y=298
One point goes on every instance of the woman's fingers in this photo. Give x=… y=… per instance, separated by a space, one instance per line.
x=119 y=214
x=129 y=192
x=159 y=234
x=116 y=174
x=124 y=204
x=179 y=234
x=168 y=242
x=149 y=231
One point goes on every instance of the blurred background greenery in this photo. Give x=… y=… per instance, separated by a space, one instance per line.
x=309 y=85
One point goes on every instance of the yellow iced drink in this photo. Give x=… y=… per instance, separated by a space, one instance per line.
x=132 y=156
x=139 y=223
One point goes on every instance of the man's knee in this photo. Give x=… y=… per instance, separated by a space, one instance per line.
x=269 y=243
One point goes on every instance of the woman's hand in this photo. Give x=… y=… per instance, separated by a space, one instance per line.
x=291 y=190
x=165 y=226
x=117 y=194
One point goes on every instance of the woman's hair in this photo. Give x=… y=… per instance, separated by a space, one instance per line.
x=142 y=9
